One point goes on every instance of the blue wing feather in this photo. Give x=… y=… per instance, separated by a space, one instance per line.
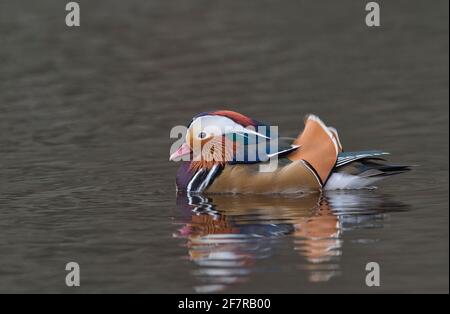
x=347 y=157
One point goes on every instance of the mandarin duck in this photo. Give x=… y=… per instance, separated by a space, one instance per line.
x=227 y=152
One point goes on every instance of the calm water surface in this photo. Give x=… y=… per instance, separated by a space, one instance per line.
x=85 y=116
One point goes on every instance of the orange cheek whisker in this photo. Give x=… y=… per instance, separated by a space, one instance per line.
x=214 y=151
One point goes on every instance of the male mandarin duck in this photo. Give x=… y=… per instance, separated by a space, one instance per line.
x=226 y=152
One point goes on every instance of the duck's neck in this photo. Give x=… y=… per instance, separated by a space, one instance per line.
x=204 y=164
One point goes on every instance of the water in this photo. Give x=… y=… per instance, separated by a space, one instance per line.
x=85 y=116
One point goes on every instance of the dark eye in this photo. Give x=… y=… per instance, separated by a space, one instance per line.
x=201 y=135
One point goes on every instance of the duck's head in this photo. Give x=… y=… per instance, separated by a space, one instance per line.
x=216 y=137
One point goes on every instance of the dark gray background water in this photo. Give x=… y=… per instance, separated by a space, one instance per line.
x=85 y=115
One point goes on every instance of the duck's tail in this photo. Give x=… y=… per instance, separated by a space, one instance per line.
x=356 y=170
x=321 y=149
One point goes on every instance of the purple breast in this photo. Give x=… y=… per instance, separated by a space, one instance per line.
x=184 y=175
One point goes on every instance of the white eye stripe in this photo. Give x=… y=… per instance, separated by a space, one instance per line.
x=218 y=125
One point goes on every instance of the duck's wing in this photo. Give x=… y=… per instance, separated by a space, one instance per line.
x=309 y=161
x=362 y=173
x=345 y=158
x=263 y=149
x=319 y=148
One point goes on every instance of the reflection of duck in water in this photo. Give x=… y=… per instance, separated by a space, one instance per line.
x=227 y=235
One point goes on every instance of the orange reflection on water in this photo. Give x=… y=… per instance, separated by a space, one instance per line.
x=226 y=235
